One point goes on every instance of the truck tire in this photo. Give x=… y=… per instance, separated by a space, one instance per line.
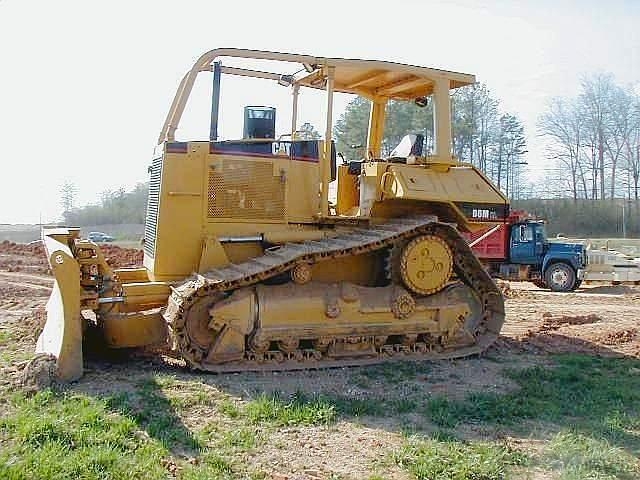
x=560 y=277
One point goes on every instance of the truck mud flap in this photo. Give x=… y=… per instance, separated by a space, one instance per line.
x=62 y=333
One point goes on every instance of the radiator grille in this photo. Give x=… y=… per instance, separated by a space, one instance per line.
x=245 y=189
x=151 y=223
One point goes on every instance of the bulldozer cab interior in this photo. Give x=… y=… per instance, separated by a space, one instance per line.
x=410 y=146
x=378 y=81
x=259 y=122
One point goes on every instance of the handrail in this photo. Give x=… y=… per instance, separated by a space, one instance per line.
x=203 y=64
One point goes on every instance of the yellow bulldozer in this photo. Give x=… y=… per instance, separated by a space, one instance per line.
x=250 y=265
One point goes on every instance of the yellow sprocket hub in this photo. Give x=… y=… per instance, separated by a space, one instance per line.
x=426 y=263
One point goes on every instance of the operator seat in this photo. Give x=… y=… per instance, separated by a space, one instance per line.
x=410 y=146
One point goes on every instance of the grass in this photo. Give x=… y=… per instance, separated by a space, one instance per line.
x=12 y=347
x=151 y=409
x=579 y=456
x=72 y=436
x=303 y=409
x=210 y=466
x=297 y=410
x=242 y=439
x=393 y=372
x=596 y=395
x=229 y=408
x=396 y=371
x=586 y=411
x=593 y=402
x=430 y=459
x=5 y=337
x=66 y=435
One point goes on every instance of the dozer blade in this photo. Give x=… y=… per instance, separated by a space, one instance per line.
x=62 y=333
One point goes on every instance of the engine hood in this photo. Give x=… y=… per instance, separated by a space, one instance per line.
x=566 y=248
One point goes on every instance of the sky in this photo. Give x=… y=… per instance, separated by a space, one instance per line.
x=85 y=85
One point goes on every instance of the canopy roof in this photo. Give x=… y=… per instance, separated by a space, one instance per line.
x=369 y=78
x=373 y=79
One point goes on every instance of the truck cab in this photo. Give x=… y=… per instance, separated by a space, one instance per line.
x=558 y=266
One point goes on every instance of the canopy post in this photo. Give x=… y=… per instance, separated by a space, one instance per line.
x=442 y=118
x=325 y=168
x=294 y=111
x=376 y=127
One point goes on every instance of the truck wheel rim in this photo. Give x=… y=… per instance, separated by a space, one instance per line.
x=560 y=277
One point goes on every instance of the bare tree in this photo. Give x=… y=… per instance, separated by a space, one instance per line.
x=632 y=156
x=563 y=125
x=595 y=138
x=596 y=103
x=68 y=193
x=620 y=126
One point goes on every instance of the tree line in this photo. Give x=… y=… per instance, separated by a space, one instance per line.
x=590 y=187
x=114 y=207
x=585 y=218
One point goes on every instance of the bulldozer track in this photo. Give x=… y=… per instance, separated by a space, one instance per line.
x=355 y=241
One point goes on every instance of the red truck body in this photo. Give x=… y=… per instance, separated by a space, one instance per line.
x=492 y=243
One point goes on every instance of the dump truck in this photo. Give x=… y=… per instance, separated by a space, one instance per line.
x=519 y=250
x=248 y=265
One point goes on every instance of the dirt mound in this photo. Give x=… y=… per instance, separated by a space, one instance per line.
x=618 y=337
x=39 y=373
x=557 y=334
x=614 y=289
x=19 y=257
x=546 y=342
x=507 y=345
x=119 y=257
x=508 y=292
x=13 y=248
x=33 y=324
x=505 y=287
x=551 y=322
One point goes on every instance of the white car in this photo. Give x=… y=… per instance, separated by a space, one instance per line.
x=99 y=237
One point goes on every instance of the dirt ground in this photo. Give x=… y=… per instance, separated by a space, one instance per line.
x=599 y=319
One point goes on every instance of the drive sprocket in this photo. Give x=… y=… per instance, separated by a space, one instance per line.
x=426 y=264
